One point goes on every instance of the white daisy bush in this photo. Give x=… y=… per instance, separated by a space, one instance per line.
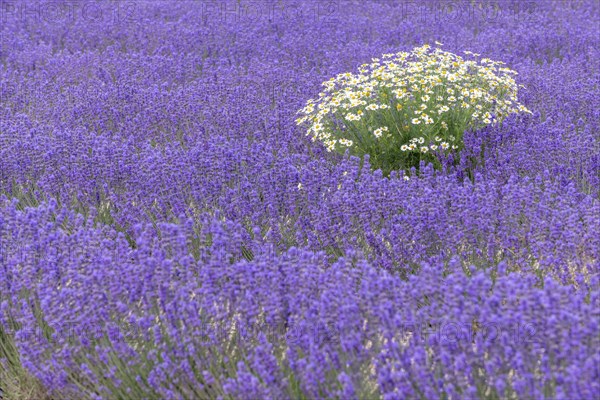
x=411 y=106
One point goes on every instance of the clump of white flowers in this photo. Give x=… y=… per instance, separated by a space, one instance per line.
x=410 y=106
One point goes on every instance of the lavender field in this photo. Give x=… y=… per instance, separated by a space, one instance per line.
x=169 y=229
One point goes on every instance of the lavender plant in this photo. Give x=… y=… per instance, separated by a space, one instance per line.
x=286 y=325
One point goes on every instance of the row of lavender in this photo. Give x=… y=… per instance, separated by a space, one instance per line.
x=157 y=323
x=187 y=240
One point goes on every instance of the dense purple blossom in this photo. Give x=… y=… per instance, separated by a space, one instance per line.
x=253 y=323
x=167 y=231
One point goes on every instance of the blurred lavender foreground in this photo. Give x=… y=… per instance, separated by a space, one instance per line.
x=168 y=232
